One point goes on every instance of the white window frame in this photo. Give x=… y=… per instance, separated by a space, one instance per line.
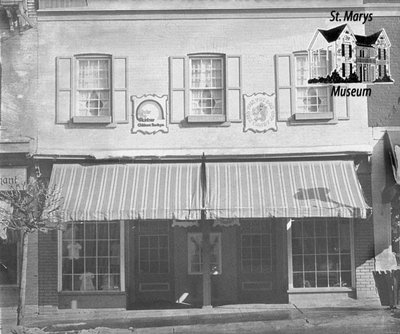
x=192 y=117
x=316 y=289
x=122 y=263
x=199 y=237
x=76 y=89
x=317 y=114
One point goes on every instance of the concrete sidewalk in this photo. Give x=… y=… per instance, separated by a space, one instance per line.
x=171 y=320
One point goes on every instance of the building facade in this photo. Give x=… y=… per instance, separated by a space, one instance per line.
x=185 y=136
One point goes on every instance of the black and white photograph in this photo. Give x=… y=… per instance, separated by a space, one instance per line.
x=199 y=166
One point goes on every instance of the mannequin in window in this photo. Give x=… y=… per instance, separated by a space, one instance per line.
x=87 y=281
x=74 y=250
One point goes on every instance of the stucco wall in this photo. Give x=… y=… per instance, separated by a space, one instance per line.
x=148 y=44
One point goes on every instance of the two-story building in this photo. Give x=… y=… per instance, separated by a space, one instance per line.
x=196 y=163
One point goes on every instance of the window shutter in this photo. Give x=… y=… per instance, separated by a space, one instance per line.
x=284 y=86
x=64 y=89
x=341 y=107
x=120 y=90
x=343 y=50
x=233 y=88
x=350 y=51
x=177 y=88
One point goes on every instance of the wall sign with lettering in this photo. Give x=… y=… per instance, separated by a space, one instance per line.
x=260 y=113
x=10 y=177
x=149 y=114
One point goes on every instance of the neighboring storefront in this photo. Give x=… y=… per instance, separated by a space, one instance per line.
x=134 y=236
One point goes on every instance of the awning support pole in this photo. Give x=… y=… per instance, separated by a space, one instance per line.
x=205 y=228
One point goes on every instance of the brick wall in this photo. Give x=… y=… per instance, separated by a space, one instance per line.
x=32 y=270
x=364 y=258
x=384 y=103
x=48 y=269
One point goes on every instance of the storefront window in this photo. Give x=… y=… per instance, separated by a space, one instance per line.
x=91 y=256
x=321 y=253
x=8 y=262
x=195 y=253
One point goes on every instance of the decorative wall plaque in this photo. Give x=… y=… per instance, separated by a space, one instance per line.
x=149 y=114
x=260 y=113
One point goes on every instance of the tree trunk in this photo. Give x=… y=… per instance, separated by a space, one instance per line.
x=22 y=282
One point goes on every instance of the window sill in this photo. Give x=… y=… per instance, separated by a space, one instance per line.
x=319 y=290
x=92 y=119
x=313 y=116
x=206 y=118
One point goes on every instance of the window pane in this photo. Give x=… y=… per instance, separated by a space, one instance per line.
x=321 y=245
x=322 y=279
x=89 y=260
x=301 y=70
x=297 y=246
x=329 y=261
x=298 y=281
x=309 y=246
x=309 y=281
x=207 y=86
x=297 y=263
x=322 y=263
x=309 y=263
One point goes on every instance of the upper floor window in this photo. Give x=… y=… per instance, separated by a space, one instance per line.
x=310 y=98
x=93 y=91
x=299 y=100
x=205 y=88
x=319 y=64
x=92 y=88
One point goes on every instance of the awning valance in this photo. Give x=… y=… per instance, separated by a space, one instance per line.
x=131 y=191
x=284 y=189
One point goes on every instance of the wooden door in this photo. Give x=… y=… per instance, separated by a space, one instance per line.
x=259 y=270
x=152 y=274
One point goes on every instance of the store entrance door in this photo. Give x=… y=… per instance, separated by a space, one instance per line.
x=262 y=269
x=151 y=274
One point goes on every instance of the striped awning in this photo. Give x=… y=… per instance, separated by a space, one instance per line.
x=131 y=191
x=284 y=189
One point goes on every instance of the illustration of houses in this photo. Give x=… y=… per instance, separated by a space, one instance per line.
x=340 y=50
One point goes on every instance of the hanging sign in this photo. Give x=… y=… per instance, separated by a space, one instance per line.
x=11 y=177
x=260 y=113
x=149 y=114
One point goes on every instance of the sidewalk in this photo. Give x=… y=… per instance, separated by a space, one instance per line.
x=173 y=320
